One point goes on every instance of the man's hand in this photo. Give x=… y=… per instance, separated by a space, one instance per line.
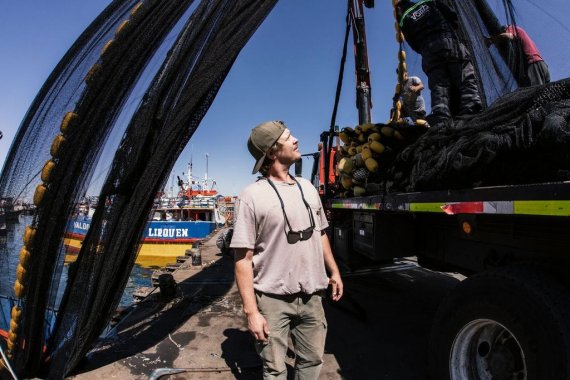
x=337 y=287
x=258 y=327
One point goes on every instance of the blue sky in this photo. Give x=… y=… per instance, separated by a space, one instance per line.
x=288 y=71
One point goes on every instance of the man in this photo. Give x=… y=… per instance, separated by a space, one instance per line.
x=281 y=252
x=536 y=69
x=429 y=28
x=413 y=103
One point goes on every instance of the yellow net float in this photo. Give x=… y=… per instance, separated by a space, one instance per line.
x=47 y=171
x=57 y=146
x=346 y=182
x=92 y=73
x=398 y=105
x=16 y=312
x=397 y=27
x=10 y=345
x=136 y=9
x=396 y=115
x=39 y=194
x=18 y=289
x=377 y=147
x=372 y=165
x=68 y=123
x=374 y=137
x=14 y=326
x=345 y=165
x=400 y=37
x=358 y=191
x=402 y=55
x=367 y=127
x=21 y=273
x=121 y=28
x=387 y=131
x=106 y=47
x=366 y=154
x=29 y=236
x=12 y=336
x=25 y=255
x=352 y=151
x=421 y=122
x=402 y=67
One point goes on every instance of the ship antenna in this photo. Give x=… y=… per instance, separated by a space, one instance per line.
x=206 y=175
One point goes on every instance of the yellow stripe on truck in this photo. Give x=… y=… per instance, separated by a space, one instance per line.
x=426 y=207
x=554 y=208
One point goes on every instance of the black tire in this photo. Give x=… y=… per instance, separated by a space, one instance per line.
x=510 y=323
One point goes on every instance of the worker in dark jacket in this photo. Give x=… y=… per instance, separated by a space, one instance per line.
x=429 y=28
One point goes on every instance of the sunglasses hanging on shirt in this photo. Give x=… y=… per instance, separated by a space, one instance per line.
x=295 y=236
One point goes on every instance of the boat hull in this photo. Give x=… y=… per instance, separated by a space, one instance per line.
x=161 y=243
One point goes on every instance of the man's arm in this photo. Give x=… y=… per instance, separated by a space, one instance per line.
x=243 y=265
x=330 y=263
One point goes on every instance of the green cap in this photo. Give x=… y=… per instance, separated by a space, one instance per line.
x=262 y=138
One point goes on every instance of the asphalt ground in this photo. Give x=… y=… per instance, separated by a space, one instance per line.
x=379 y=329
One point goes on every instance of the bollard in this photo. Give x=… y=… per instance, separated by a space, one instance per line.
x=196 y=257
x=167 y=286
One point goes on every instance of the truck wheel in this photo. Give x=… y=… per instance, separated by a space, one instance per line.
x=507 y=324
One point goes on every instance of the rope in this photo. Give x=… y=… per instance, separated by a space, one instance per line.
x=337 y=97
x=396 y=111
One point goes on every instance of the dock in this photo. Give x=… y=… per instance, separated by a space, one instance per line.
x=379 y=330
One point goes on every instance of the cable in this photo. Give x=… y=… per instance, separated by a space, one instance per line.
x=7 y=364
x=549 y=15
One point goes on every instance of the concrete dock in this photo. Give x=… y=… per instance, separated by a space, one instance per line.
x=379 y=330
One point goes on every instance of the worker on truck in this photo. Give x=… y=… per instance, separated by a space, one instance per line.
x=536 y=70
x=281 y=252
x=429 y=27
x=413 y=104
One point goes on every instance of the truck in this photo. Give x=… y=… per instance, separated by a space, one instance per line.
x=510 y=317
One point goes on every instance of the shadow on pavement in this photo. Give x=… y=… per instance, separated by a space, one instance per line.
x=380 y=328
x=154 y=319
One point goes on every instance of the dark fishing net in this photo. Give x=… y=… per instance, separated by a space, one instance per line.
x=173 y=107
x=522 y=138
x=95 y=88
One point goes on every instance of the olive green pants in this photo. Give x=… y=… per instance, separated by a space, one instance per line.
x=303 y=316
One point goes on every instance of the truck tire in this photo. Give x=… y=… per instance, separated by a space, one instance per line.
x=510 y=323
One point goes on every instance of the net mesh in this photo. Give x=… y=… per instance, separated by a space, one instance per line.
x=93 y=81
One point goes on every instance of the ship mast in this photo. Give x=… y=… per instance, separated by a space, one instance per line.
x=206 y=175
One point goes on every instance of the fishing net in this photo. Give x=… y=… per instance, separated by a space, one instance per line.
x=521 y=138
x=96 y=77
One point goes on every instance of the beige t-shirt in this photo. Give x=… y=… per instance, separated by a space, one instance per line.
x=280 y=267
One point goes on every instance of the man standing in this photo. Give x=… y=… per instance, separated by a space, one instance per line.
x=429 y=28
x=536 y=69
x=281 y=252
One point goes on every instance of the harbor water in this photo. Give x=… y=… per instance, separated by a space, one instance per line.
x=10 y=245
